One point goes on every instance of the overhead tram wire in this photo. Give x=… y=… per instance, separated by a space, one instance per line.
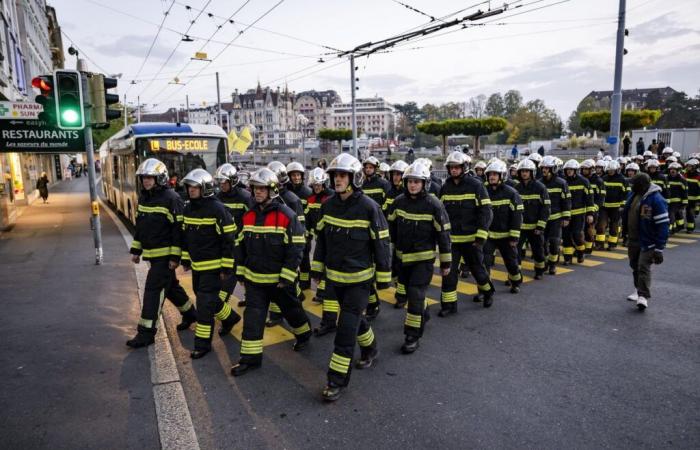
x=165 y=63
x=262 y=16
x=411 y=8
x=85 y=55
x=153 y=43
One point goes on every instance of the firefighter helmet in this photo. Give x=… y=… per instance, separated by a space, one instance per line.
x=613 y=166
x=384 y=167
x=674 y=165
x=632 y=166
x=549 y=161
x=295 y=166
x=280 y=170
x=572 y=164
x=653 y=163
x=398 y=166
x=319 y=176
x=480 y=165
x=535 y=157
x=202 y=179
x=418 y=171
x=587 y=164
x=227 y=172
x=457 y=159
x=527 y=164
x=347 y=163
x=497 y=166
x=266 y=177
x=154 y=168
x=371 y=160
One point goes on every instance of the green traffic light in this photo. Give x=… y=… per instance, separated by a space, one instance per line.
x=70 y=116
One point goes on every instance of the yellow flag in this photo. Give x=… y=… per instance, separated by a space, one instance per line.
x=232 y=138
x=243 y=142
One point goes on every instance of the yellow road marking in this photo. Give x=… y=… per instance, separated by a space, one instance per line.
x=531 y=266
x=688 y=235
x=681 y=240
x=607 y=254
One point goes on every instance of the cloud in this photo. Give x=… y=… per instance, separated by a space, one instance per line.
x=661 y=27
x=137 y=46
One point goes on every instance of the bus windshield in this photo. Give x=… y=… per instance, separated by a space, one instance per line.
x=182 y=154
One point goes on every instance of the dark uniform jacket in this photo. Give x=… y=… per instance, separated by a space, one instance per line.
x=677 y=190
x=416 y=226
x=314 y=208
x=598 y=191
x=560 y=204
x=581 y=195
x=158 y=224
x=394 y=192
x=507 y=212
x=536 y=204
x=208 y=233
x=293 y=202
x=352 y=244
x=238 y=201
x=661 y=181
x=469 y=208
x=303 y=192
x=269 y=248
x=376 y=188
x=616 y=189
x=693 y=181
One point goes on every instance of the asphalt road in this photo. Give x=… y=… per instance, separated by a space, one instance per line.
x=69 y=381
x=568 y=363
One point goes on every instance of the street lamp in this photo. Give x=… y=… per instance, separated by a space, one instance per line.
x=303 y=121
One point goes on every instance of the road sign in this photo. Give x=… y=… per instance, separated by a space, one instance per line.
x=612 y=140
x=19 y=110
x=37 y=137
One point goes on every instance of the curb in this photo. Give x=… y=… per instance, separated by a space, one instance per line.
x=175 y=427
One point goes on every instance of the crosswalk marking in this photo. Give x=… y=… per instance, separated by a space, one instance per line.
x=680 y=240
x=607 y=254
x=688 y=235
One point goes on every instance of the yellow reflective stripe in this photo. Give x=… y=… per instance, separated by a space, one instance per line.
x=400 y=289
x=351 y=277
x=528 y=226
x=179 y=218
x=203 y=331
x=288 y=274
x=331 y=306
x=317 y=266
x=411 y=216
x=223 y=295
x=227 y=263
x=516 y=277
x=498 y=234
x=274 y=307
x=541 y=223
x=445 y=257
x=485 y=201
x=413 y=320
x=146 y=323
x=175 y=251
x=255 y=277
x=554 y=216
x=577 y=187
x=566 y=214
x=448 y=297
x=186 y=306
x=136 y=245
x=186 y=255
x=314 y=206
x=383 y=234
x=156 y=210
x=554 y=190
x=514 y=233
x=339 y=363
x=365 y=339
x=230 y=228
x=613 y=184
x=577 y=211
x=417 y=256
x=613 y=204
x=383 y=277
x=500 y=202
x=251 y=347
x=531 y=197
x=225 y=310
x=156 y=252
x=373 y=191
x=236 y=206
x=196 y=221
x=302 y=329
x=298 y=240
x=483 y=234
x=457 y=197
x=343 y=223
x=207 y=265
x=264 y=229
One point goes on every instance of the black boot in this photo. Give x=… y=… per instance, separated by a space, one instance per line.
x=199 y=353
x=324 y=329
x=228 y=324
x=538 y=274
x=448 y=310
x=488 y=299
x=242 y=368
x=367 y=359
x=552 y=268
x=142 y=339
x=372 y=311
x=478 y=298
x=514 y=288
x=188 y=318
x=332 y=392
x=464 y=273
x=242 y=303
x=400 y=303
x=410 y=345
x=275 y=319
x=302 y=342
x=579 y=256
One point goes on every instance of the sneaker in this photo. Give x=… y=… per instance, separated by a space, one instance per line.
x=641 y=303
x=633 y=297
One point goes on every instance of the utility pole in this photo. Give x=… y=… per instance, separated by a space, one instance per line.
x=218 y=101
x=616 y=106
x=352 y=102
x=138 y=109
x=126 y=111
x=177 y=114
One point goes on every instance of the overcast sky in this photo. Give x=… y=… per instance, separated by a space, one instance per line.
x=558 y=53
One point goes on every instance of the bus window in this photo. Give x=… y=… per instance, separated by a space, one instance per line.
x=115 y=167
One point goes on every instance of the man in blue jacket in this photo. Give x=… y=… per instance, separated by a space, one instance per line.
x=645 y=224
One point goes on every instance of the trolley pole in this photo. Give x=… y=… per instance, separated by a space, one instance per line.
x=616 y=104
x=352 y=102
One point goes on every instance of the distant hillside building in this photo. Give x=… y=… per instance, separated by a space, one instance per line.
x=374 y=116
x=317 y=106
x=631 y=98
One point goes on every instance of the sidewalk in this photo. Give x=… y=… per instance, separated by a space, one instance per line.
x=68 y=379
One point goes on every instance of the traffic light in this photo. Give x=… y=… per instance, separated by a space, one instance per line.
x=70 y=113
x=46 y=98
x=101 y=99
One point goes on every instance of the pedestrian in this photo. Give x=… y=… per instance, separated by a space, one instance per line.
x=42 y=184
x=654 y=147
x=410 y=156
x=322 y=163
x=645 y=223
x=541 y=150
x=158 y=241
x=640 y=146
x=514 y=152
x=626 y=143
x=661 y=147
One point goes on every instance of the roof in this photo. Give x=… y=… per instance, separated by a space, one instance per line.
x=630 y=94
x=150 y=128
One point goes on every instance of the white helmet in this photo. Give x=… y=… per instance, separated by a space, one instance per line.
x=295 y=166
x=398 y=166
x=601 y=164
x=457 y=159
x=647 y=154
x=607 y=158
x=671 y=159
x=527 y=164
x=674 y=165
x=653 y=163
x=371 y=160
x=227 y=172
x=347 y=163
x=549 y=161
x=692 y=162
x=480 y=165
x=677 y=155
x=384 y=167
x=418 y=171
x=280 y=170
x=587 y=164
x=154 y=168
x=265 y=177
x=667 y=151
x=638 y=158
x=613 y=166
x=318 y=176
x=536 y=157
x=632 y=166
x=572 y=164
x=200 y=178
x=497 y=166
x=428 y=162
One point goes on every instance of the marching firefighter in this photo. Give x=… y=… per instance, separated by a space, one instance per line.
x=536 y=205
x=296 y=171
x=677 y=197
x=268 y=251
x=384 y=171
x=657 y=178
x=397 y=188
x=352 y=250
x=207 y=249
x=582 y=209
x=468 y=207
x=435 y=182
x=418 y=223
x=631 y=170
x=238 y=201
x=320 y=185
x=479 y=168
x=291 y=200
x=600 y=166
x=692 y=178
x=560 y=210
x=157 y=240
x=504 y=232
x=616 y=189
x=597 y=188
x=376 y=188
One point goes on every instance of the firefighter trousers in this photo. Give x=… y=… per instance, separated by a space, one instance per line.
x=676 y=217
x=590 y=233
x=608 y=220
x=510 y=258
x=552 y=234
x=258 y=298
x=305 y=267
x=210 y=305
x=690 y=213
x=162 y=283
x=417 y=278
x=573 y=236
x=352 y=327
x=474 y=259
x=536 y=242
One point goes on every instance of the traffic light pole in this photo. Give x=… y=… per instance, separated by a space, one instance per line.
x=95 y=223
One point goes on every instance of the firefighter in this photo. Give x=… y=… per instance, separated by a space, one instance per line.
x=290 y=199
x=321 y=193
x=157 y=240
x=384 y=171
x=504 y=232
x=512 y=175
x=616 y=188
x=418 y=223
x=600 y=166
x=631 y=169
x=479 y=168
x=597 y=188
x=296 y=172
x=352 y=250
x=692 y=178
x=560 y=210
x=435 y=182
x=537 y=159
x=238 y=201
x=208 y=238
x=376 y=188
x=536 y=205
x=397 y=188
x=469 y=208
x=268 y=250
x=677 y=197
x=582 y=209
x=654 y=171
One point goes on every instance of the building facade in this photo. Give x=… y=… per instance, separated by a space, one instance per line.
x=374 y=116
x=317 y=107
x=631 y=98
